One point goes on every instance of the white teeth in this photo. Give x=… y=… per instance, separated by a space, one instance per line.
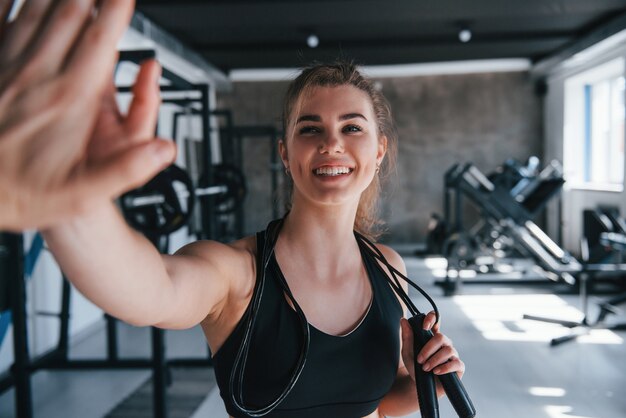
x=332 y=171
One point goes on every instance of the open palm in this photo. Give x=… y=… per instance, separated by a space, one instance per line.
x=115 y=133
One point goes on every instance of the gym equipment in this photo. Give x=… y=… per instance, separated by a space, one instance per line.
x=226 y=227
x=155 y=208
x=605 y=233
x=58 y=358
x=197 y=95
x=12 y=277
x=233 y=185
x=425 y=388
x=603 y=254
x=165 y=203
x=508 y=200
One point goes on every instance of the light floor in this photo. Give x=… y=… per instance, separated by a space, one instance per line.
x=511 y=369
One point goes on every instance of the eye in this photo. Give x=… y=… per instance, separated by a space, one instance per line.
x=352 y=128
x=309 y=130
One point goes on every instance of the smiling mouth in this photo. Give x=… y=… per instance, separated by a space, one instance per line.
x=332 y=171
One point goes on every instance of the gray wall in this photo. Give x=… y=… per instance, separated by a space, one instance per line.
x=483 y=118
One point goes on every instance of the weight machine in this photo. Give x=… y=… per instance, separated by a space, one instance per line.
x=508 y=201
x=603 y=249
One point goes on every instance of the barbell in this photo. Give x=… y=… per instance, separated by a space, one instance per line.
x=165 y=203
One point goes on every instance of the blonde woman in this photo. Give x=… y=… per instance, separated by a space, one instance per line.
x=339 y=140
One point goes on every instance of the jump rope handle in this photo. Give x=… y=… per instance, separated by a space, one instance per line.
x=425 y=381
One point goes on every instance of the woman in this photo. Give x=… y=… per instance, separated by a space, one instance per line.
x=338 y=132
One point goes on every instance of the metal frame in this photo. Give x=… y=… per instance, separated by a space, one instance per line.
x=270 y=132
x=58 y=358
x=12 y=272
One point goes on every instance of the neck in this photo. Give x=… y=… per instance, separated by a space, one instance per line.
x=312 y=233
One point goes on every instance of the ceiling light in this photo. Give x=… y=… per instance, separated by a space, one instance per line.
x=312 y=41
x=465 y=35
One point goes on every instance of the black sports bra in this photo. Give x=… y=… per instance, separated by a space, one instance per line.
x=344 y=376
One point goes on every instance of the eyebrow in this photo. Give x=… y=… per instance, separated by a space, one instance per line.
x=317 y=118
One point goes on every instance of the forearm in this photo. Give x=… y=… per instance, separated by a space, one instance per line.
x=112 y=265
x=401 y=399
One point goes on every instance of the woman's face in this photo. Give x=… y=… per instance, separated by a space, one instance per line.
x=332 y=147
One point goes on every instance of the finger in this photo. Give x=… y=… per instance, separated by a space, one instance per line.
x=440 y=357
x=435 y=328
x=129 y=169
x=432 y=346
x=144 y=109
x=63 y=28
x=454 y=365
x=21 y=32
x=95 y=56
x=429 y=321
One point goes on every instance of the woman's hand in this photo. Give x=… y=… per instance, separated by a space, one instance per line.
x=438 y=354
x=114 y=133
x=56 y=62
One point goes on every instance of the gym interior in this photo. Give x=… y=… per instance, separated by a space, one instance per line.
x=507 y=205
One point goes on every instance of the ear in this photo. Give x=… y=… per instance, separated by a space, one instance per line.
x=282 y=150
x=382 y=149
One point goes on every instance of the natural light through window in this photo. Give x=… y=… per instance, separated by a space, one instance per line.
x=593 y=153
x=501 y=318
x=558 y=411
x=547 y=392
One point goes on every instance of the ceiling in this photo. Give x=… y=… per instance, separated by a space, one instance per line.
x=237 y=34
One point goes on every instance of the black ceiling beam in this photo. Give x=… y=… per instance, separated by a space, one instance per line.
x=243 y=14
x=162 y=38
x=434 y=41
x=406 y=54
x=597 y=34
x=228 y=2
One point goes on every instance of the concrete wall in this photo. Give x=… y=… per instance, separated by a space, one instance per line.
x=483 y=118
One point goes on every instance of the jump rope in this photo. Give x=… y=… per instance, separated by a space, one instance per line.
x=425 y=381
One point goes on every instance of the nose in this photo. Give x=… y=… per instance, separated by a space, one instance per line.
x=331 y=144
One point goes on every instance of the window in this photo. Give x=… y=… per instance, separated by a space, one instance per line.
x=593 y=154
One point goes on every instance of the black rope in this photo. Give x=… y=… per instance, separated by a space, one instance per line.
x=238 y=372
x=374 y=251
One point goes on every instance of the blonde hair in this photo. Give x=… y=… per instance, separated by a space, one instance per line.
x=367 y=221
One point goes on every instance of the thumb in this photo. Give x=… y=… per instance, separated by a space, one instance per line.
x=407 y=347
x=130 y=168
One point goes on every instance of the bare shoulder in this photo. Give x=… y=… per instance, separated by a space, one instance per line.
x=234 y=260
x=395 y=260
x=221 y=254
x=392 y=257
x=212 y=249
